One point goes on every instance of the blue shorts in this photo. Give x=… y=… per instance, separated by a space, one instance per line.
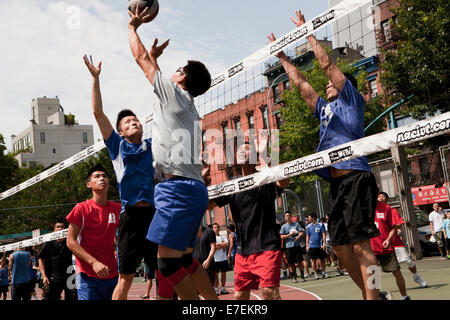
x=89 y=288
x=180 y=205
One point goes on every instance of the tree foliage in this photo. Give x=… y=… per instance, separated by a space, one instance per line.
x=39 y=206
x=420 y=62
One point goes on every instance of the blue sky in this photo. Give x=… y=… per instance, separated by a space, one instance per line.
x=43 y=43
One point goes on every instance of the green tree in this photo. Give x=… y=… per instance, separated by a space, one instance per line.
x=420 y=62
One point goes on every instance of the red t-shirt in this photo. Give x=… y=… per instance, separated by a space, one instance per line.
x=398 y=220
x=384 y=220
x=98 y=225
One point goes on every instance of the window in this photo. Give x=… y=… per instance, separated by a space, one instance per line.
x=251 y=122
x=54 y=150
x=85 y=138
x=42 y=134
x=237 y=124
x=287 y=85
x=29 y=138
x=279 y=120
x=276 y=93
x=373 y=88
x=265 y=118
x=225 y=135
x=424 y=169
x=211 y=216
x=203 y=140
x=386 y=29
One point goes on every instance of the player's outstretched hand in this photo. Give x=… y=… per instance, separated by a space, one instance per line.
x=156 y=51
x=138 y=17
x=300 y=19
x=94 y=70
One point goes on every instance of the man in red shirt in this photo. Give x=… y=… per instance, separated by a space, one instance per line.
x=397 y=243
x=382 y=245
x=92 y=229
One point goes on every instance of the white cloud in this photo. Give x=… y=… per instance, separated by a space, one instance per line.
x=43 y=45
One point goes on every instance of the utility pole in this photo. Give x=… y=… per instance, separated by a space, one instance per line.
x=406 y=203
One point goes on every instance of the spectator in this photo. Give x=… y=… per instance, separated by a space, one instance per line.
x=91 y=236
x=328 y=247
x=55 y=261
x=382 y=245
x=221 y=260
x=400 y=251
x=19 y=264
x=303 y=247
x=205 y=247
x=436 y=219
x=149 y=275
x=4 y=282
x=315 y=245
x=232 y=240
x=291 y=233
x=33 y=273
x=446 y=229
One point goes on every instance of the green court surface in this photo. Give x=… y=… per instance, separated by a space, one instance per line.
x=432 y=269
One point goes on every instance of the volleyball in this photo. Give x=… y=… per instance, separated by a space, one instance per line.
x=153 y=6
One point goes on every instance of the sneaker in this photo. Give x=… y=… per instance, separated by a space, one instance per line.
x=340 y=273
x=224 y=291
x=406 y=298
x=420 y=281
x=303 y=280
x=333 y=264
x=217 y=291
x=294 y=280
x=443 y=258
x=316 y=277
x=325 y=276
x=145 y=297
x=448 y=257
x=307 y=275
x=385 y=295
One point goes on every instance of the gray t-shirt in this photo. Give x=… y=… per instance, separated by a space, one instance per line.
x=176 y=131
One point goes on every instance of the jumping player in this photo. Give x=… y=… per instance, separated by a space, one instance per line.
x=181 y=197
x=133 y=164
x=353 y=190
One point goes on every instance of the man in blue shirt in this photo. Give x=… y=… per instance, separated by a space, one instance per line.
x=133 y=164
x=315 y=245
x=291 y=233
x=353 y=190
x=19 y=264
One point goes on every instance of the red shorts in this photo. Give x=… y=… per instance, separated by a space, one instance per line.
x=262 y=268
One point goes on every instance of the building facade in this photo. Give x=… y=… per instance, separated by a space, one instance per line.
x=52 y=136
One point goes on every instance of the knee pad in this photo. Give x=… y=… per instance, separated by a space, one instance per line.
x=165 y=289
x=171 y=269
x=189 y=263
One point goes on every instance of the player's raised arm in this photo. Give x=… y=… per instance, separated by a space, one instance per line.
x=333 y=73
x=146 y=60
x=298 y=78
x=97 y=106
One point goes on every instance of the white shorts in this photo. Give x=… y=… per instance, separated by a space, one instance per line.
x=402 y=255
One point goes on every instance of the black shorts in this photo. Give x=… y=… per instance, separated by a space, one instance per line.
x=352 y=203
x=4 y=288
x=222 y=266
x=132 y=242
x=294 y=255
x=316 y=253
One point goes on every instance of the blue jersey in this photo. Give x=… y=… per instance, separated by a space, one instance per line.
x=315 y=232
x=286 y=229
x=133 y=165
x=4 y=276
x=341 y=121
x=20 y=268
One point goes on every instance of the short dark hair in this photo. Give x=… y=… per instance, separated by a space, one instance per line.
x=61 y=220
x=97 y=167
x=384 y=193
x=215 y=224
x=288 y=212
x=198 y=78
x=122 y=114
x=352 y=79
x=232 y=227
x=313 y=215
